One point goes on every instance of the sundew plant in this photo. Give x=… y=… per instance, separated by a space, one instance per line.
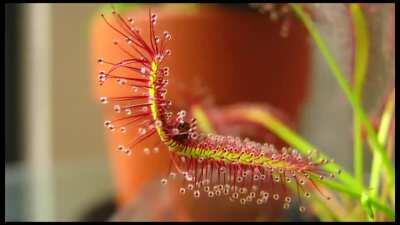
x=239 y=170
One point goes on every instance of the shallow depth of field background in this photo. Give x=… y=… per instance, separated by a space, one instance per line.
x=56 y=161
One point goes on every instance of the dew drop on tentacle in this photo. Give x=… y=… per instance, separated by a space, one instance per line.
x=127 y=151
x=102 y=76
x=136 y=30
x=189 y=177
x=141 y=131
x=144 y=109
x=167 y=35
x=286 y=205
x=107 y=123
x=135 y=89
x=172 y=175
x=194 y=135
x=122 y=81
x=249 y=199
x=164 y=181
x=226 y=191
x=196 y=194
x=153 y=16
x=117 y=108
x=143 y=70
x=103 y=100
x=175 y=131
x=159 y=57
x=182 y=191
x=255 y=177
x=235 y=195
x=158 y=123
x=128 y=111
x=120 y=147
x=157 y=39
x=111 y=127
x=242 y=190
x=165 y=71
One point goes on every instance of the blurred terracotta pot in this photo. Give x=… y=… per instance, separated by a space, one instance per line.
x=236 y=52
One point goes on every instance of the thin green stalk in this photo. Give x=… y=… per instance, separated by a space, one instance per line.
x=360 y=69
x=358 y=149
x=367 y=206
x=340 y=77
x=382 y=136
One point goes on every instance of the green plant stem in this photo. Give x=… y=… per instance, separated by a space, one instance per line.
x=389 y=190
x=382 y=137
x=367 y=206
x=360 y=69
x=340 y=77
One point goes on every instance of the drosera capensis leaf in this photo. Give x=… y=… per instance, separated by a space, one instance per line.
x=239 y=170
